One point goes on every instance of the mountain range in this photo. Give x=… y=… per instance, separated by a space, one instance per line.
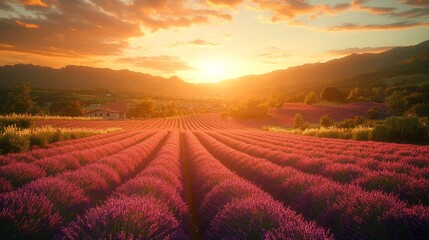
x=351 y=70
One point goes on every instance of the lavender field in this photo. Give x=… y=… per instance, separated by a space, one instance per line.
x=201 y=177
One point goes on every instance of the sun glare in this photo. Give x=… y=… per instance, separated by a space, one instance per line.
x=213 y=71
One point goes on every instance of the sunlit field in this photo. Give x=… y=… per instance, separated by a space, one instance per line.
x=214 y=119
x=201 y=176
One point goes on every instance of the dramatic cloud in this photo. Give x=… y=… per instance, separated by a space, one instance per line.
x=166 y=64
x=196 y=42
x=286 y=10
x=35 y=3
x=13 y=57
x=416 y=2
x=391 y=26
x=93 y=27
x=26 y=25
x=359 y=5
x=165 y=14
x=289 y=10
x=348 y=51
x=4 y=6
x=413 y=13
x=6 y=46
x=77 y=30
x=229 y=3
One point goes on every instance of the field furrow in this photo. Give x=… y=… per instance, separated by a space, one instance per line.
x=225 y=200
x=332 y=205
x=205 y=177
x=408 y=188
x=70 y=193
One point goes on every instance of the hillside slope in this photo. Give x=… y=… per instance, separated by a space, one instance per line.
x=82 y=77
x=392 y=62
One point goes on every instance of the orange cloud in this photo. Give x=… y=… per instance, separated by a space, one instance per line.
x=26 y=25
x=286 y=10
x=416 y=2
x=229 y=3
x=6 y=46
x=391 y=26
x=290 y=10
x=348 y=51
x=196 y=42
x=359 y=5
x=35 y=3
x=166 y=64
x=94 y=27
x=162 y=14
x=10 y=57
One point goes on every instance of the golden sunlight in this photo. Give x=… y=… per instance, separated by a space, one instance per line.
x=212 y=70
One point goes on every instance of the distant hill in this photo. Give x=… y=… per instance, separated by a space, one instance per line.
x=82 y=77
x=397 y=61
x=411 y=71
x=346 y=72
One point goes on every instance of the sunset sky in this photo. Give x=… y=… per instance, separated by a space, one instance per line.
x=203 y=40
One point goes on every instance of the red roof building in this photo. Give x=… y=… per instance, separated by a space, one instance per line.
x=110 y=111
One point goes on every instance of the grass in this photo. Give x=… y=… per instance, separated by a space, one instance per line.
x=14 y=139
x=357 y=133
x=406 y=129
x=13 y=116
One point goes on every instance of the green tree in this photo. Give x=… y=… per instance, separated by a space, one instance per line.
x=311 y=98
x=144 y=109
x=72 y=108
x=351 y=122
x=354 y=94
x=397 y=103
x=377 y=94
x=298 y=121
x=326 y=121
x=332 y=94
x=20 y=99
x=416 y=98
x=252 y=108
x=408 y=129
x=275 y=100
x=373 y=113
x=419 y=110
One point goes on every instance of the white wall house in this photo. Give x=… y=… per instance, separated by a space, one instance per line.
x=103 y=113
x=110 y=111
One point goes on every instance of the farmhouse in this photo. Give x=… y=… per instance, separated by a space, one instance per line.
x=110 y=111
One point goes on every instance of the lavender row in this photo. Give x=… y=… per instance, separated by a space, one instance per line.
x=148 y=206
x=410 y=160
x=40 y=208
x=84 y=143
x=17 y=174
x=347 y=210
x=408 y=188
x=232 y=208
x=405 y=158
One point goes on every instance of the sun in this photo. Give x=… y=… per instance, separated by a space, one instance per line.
x=213 y=70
